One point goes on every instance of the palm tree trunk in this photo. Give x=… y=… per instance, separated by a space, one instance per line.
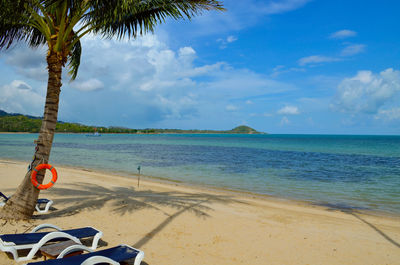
x=22 y=204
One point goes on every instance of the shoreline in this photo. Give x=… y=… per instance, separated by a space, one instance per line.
x=225 y=190
x=270 y=134
x=174 y=223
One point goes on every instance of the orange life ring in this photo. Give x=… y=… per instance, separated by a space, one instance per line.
x=36 y=170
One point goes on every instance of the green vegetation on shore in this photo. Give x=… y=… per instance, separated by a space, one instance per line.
x=23 y=123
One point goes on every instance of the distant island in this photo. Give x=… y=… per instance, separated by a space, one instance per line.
x=15 y=122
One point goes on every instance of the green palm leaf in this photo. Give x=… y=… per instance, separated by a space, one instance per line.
x=75 y=60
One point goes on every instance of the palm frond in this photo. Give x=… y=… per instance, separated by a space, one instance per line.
x=17 y=22
x=12 y=26
x=36 y=38
x=75 y=60
x=136 y=17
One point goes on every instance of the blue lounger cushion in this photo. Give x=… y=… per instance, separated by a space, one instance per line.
x=117 y=254
x=4 y=196
x=43 y=200
x=34 y=240
x=31 y=238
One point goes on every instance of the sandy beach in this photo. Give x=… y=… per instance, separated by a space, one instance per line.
x=178 y=224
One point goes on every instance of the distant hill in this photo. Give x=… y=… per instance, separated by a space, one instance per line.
x=15 y=122
x=244 y=129
x=3 y=113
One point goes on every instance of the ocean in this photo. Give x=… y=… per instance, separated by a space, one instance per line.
x=342 y=171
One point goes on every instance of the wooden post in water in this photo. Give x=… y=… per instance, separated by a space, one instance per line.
x=138 y=181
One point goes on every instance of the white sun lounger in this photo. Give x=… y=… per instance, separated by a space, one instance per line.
x=112 y=256
x=34 y=240
x=46 y=202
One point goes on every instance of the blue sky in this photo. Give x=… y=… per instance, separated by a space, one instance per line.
x=282 y=66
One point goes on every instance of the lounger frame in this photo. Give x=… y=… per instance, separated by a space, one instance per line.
x=95 y=259
x=99 y=259
x=34 y=248
x=46 y=207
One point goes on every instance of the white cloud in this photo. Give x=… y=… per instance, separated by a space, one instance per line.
x=289 y=110
x=186 y=51
x=265 y=114
x=249 y=102
x=342 y=34
x=23 y=56
x=367 y=92
x=349 y=50
x=284 y=121
x=278 y=68
x=224 y=42
x=240 y=15
x=92 y=84
x=18 y=84
x=155 y=85
x=281 y=69
x=231 y=107
x=282 y=6
x=28 y=62
x=388 y=114
x=19 y=97
x=231 y=39
x=353 y=49
x=316 y=59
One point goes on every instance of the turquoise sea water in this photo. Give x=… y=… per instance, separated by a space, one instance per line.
x=346 y=171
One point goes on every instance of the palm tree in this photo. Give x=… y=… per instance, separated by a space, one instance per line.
x=61 y=24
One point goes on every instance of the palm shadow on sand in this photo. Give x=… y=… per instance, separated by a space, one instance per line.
x=89 y=196
x=353 y=211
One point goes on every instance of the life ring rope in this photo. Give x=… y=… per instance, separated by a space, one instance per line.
x=37 y=169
